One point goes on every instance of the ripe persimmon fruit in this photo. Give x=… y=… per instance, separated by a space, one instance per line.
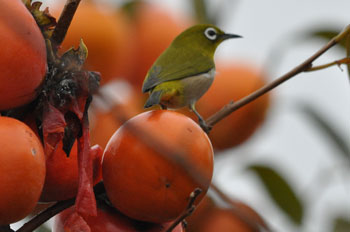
x=61 y=181
x=154 y=162
x=234 y=81
x=118 y=99
x=23 y=55
x=224 y=220
x=22 y=168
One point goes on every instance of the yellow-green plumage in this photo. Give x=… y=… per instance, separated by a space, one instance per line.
x=186 y=69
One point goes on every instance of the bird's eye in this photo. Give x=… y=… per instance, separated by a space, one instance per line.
x=210 y=33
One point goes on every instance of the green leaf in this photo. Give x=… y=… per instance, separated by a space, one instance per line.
x=327 y=34
x=322 y=124
x=280 y=192
x=341 y=225
x=43 y=228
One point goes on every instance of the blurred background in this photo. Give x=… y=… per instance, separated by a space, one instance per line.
x=286 y=155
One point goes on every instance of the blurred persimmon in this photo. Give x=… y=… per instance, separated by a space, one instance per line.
x=154 y=28
x=234 y=81
x=105 y=32
x=242 y=219
x=154 y=162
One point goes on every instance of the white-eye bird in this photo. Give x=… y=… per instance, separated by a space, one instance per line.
x=185 y=70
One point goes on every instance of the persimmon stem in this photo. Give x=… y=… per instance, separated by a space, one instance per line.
x=41 y=218
x=63 y=23
x=304 y=66
x=189 y=209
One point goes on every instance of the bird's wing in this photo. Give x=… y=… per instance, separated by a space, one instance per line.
x=182 y=65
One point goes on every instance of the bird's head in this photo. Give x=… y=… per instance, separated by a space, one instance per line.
x=205 y=37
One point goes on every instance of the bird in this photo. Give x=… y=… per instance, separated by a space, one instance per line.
x=185 y=70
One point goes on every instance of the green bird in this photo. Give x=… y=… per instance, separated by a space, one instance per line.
x=185 y=70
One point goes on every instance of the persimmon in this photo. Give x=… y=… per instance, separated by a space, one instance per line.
x=105 y=33
x=119 y=99
x=224 y=220
x=23 y=55
x=154 y=162
x=109 y=219
x=154 y=28
x=234 y=81
x=22 y=168
x=61 y=182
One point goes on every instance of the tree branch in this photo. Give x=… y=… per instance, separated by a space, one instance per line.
x=231 y=107
x=345 y=60
x=64 y=22
x=189 y=209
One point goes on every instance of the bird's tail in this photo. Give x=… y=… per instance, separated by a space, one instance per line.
x=154 y=99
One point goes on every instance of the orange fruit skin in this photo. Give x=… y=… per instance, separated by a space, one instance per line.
x=22 y=168
x=110 y=220
x=224 y=220
x=233 y=82
x=154 y=29
x=106 y=35
x=23 y=55
x=61 y=182
x=150 y=186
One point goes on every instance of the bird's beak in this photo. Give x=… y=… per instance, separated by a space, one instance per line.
x=229 y=36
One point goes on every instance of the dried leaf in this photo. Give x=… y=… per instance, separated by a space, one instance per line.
x=43 y=18
x=280 y=192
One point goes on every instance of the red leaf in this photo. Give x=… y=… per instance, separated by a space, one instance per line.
x=53 y=128
x=85 y=202
x=75 y=223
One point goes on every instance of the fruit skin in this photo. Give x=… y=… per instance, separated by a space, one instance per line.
x=23 y=55
x=110 y=220
x=22 y=168
x=224 y=220
x=61 y=181
x=106 y=34
x=234 y=81
x=150 y=186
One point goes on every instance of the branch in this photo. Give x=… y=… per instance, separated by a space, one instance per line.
x=41 y=218
x=307 y=64
x=189 y=209
x=345 y=60
x=64 y=22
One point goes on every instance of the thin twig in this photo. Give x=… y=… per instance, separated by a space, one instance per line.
x=64 y=22
x=6 y=228
x=231 y=107
x=53 y=210
x=345 y=60
x=189 y=209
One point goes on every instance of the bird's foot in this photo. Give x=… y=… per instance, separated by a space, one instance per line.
x=204 y=125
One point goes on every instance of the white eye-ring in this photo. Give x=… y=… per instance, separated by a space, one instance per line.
x=210 y=33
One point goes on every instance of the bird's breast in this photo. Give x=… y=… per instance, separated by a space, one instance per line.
x=196 y=86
